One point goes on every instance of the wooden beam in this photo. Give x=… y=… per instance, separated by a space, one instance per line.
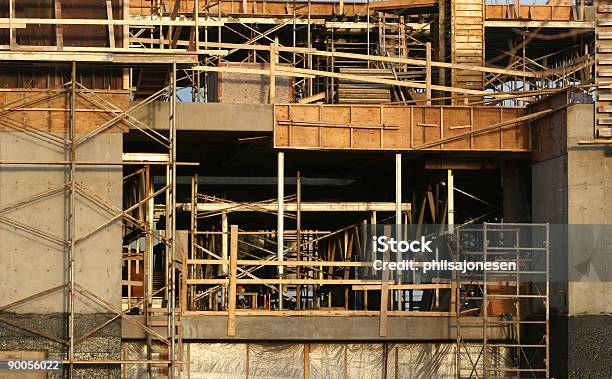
x=111 y=28
x=102 y=22
x=314 y=98
x=428 y=72
x=365 y=57
x=383 y=5
x=272 y=84
x=291 y=71
x=120 y=58
x=59 y=31
x=310 y=206
x=231 y=300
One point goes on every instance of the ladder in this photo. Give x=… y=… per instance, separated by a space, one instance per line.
x=500 y=301
x=603 y=78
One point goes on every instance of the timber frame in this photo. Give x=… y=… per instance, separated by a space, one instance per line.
x=469 y=96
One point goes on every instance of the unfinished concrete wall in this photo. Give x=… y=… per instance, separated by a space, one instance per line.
x=210 y=116
x=589 y=170
x=243 y=88
x=571 y=184
x=32 y=263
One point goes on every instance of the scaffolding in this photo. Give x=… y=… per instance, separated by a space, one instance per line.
x=158 y=48
x=504 y=298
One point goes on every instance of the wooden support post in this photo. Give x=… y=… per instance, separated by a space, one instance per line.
x=231 y=297
x=12 y=32
x=59 y=29
x=196 y=18
x=306 y=361
x=428 y=72
x=111 y=27
x=272 y=89
x=384 y=292
x=224 y=241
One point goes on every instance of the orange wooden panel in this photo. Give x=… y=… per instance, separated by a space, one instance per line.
x=391 y=128
x=53 y=115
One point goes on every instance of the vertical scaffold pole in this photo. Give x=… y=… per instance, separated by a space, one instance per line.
x=450 y=188
x=280 y=221
x=72 y=221
x=172 y=224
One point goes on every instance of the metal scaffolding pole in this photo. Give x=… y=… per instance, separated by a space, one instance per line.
x=280 y=220
x=172 y=225
x=450 y=193
x=71 y=217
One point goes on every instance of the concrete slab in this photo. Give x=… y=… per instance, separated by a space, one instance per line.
x=210 y=117
x=306 y=328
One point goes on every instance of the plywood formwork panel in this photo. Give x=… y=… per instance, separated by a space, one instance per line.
x=536 y=12
x=392 y=128
x=603 y=100
x=51 y=114
x=250 y=7
x=467 y=41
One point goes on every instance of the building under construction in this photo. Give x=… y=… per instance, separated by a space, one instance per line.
x=186 y=186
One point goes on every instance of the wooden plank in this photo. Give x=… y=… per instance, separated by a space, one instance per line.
x=314 y=98
x=384 y=291
x=59 y=30
x=306 y=361
x=231 y=300
x=365 y=57
x=111 y=28
x=428 y=72
x=272 y=85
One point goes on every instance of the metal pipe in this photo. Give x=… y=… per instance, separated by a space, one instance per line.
x=298 y=235
x=72 y=223
x=280 y=220
x=172 y=225
x=398 y=188
x=450 y=190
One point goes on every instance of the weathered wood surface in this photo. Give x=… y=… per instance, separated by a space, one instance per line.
x=379 y=127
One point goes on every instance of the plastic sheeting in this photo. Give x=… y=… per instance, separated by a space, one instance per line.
x=268 y=361
x=218 y=360
x=326 y=360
